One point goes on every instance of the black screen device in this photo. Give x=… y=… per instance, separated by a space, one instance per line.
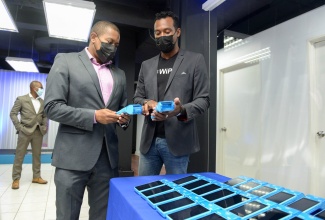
x=156 y=190
x=270 y=215
x=234 y=181
x=185 y=179
x=230 y=201
x=303 y=204
x=247 y=186
x=149 y=185
x=188 y=212
x=164 y=197
x=262 y=191
x=195 y=184
x=175 y=204
x=321 y=215
x=212 y=216
x=206 y=189
x=280 y=197
x=217 y=195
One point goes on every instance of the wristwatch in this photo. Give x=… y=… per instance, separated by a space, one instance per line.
x=181 y=112
x=125 y=125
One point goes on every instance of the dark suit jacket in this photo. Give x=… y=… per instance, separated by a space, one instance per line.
x=189 y=82
x=72 y=95
x=29 y=119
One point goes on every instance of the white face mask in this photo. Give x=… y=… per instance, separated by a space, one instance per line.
x=40 y=91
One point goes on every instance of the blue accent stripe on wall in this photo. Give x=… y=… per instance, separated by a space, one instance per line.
x=9 y=158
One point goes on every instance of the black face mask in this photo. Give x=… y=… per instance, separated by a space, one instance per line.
x=165 y=43
x=106 y=52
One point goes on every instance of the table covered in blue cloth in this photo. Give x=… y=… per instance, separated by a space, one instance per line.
x=125 y=204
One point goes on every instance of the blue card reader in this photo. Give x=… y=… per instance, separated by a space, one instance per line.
x=308 y=204
x=133 y=109
x=165 y=106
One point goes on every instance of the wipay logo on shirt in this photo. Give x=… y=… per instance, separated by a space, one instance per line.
x=164 y=71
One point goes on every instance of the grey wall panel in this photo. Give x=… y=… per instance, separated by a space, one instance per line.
x=126 y=61
x=197 y=36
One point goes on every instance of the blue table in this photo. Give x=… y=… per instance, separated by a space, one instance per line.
x=125 y=204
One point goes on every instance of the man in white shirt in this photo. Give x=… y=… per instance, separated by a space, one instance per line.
x=31 y=128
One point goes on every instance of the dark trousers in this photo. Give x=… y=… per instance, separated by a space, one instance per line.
x=70 y=188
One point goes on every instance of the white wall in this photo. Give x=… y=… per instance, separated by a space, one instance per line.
x=287 y=158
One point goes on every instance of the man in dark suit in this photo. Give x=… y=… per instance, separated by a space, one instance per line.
x=31 y=128
x=175 y=74
x=83 y=92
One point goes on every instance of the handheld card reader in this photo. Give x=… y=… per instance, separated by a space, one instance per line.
x=251 y=207
x=197 y=187
x=285 y=196
x=166 y=196
x=169 y=196
x=250 y=185
x=309 y=204
x=192 y=182
x=201 y=191
x=133 y=109
x=237 y=180
x=280 y=212
x=157 y=190
x=195 y=184
x=218 y=216
x=193 y=212
x=146 y=186
x=165 y=106
x=219 y=194
x=266 y=190
x=234 y=200
x=174 y=206
x=320 y=214
x=185 y=180
x=304 y=216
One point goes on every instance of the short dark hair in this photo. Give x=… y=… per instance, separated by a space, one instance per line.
x=165 y=14
x=100 y=27
x=34 y=84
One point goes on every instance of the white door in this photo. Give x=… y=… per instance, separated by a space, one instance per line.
x=240 y=121
x=318 y=120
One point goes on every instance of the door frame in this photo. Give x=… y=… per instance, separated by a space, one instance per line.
x=313 y=127
x=220 y=111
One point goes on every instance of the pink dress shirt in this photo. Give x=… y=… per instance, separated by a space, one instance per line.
x=104 y=76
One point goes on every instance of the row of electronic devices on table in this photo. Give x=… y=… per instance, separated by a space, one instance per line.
x=198 y=197
x=136 y=109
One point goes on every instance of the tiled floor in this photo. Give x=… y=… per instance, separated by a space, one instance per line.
x=35 y=201
x=31 y=201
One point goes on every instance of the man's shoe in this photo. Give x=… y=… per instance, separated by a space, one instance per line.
x=39 y=180
x=15 y=184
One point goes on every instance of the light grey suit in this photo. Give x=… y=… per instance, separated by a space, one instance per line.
x=72 y=95
x=189 y=82
x=30 y=129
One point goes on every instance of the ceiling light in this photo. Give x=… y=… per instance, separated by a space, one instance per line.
x=211 y=4
x=6 y=21
x=255 y=56
x=69 y=19
x=232 y=43
x=22 y=64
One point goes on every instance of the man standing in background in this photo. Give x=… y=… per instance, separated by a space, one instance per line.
x=30 y=129
x=83 y=92
x=175 y=74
